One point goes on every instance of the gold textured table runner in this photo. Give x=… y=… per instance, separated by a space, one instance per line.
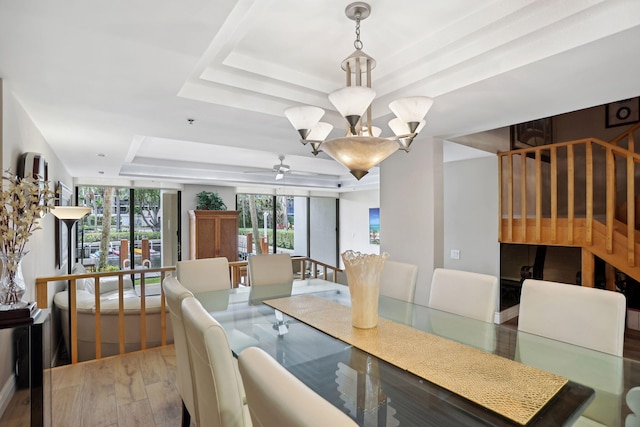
x=509 y=388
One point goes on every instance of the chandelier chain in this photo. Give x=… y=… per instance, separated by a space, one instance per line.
x=357 y=43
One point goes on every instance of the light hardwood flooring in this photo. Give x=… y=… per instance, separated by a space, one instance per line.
x=137 y=389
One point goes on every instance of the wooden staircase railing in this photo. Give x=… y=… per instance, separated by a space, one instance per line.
x=566 y=194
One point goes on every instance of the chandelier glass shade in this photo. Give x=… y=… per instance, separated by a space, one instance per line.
x=361 y=148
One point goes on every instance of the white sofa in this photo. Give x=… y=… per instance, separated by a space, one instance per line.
x=109 y=319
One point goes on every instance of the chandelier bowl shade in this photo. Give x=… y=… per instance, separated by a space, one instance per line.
x=304 y=118
x=359 y=153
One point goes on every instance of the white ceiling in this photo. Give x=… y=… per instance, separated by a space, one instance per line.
x=122 y=78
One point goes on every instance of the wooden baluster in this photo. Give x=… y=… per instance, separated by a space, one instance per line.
x=143 y=312
x=631 y=212
x=570 y=193
x=538 y=195
x=74 y=321
x=163 y=312
x=523 y=196
x=589 y=192
x=500 y=237
x=510 y=198
x=554 y=195
x=121 y=311
x=611 y=197
x=98 y=330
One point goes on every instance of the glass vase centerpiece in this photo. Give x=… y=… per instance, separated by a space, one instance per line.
x=363 y=276
x=23 y=202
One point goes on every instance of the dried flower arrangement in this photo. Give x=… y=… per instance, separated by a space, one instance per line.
x=23 y=201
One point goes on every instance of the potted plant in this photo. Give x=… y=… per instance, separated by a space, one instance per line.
x=210 y=201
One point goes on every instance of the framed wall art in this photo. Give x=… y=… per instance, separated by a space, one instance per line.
x=623 y=112
x=374 y=226
x=532 y=134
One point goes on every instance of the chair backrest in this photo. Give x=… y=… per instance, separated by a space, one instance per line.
x=465 y=293
x=175 y=293
x=270 y=269
x=206 y=274
x=290 y=403
x=219 y=391
x=398 y=280
x=588 y=317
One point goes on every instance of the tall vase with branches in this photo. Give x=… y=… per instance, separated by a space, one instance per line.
x=23 y=202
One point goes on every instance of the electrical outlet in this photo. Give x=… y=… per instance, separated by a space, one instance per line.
x=455 y=253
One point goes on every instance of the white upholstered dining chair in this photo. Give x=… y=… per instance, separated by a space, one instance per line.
x=206 y=274
x=272 y=269
x=464 y=293
x=588 y=317
x=218 y=386
x=398 y=280
x=175 y=293
x=291 y=403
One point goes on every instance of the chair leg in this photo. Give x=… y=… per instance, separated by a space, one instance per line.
x=186 y=417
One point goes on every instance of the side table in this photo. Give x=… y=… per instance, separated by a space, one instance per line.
x=32 y=363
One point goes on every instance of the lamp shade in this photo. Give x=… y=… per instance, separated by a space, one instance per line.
x=320 y=132
x=359 y=153
x=70 y=212
x=352 y=100
x=412 y=108
x=399 y=127
x=304 y=118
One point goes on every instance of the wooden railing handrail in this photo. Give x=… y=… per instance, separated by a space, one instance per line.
x=603 y=144
x=240 y=269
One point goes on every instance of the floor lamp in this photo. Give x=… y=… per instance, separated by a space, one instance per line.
x=69 y=215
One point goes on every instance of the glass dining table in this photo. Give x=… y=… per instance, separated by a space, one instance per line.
x=603 y=390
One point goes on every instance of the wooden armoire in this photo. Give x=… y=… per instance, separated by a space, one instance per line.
x=213 y=234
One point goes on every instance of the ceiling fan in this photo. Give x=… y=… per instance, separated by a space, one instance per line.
x=281 y=169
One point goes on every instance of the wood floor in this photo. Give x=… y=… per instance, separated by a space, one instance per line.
x=124 y=391
x=136 y=390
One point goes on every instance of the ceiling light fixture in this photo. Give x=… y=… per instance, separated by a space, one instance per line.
x=362 y=147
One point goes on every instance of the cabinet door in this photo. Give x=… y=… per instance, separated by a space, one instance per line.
x=206 y=235
x=228 y=238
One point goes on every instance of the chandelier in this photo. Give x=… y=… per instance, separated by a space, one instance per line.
x=362 y=147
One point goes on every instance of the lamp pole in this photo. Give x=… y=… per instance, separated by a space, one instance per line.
x=70 y=216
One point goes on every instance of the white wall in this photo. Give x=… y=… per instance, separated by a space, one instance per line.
x=411 y=209
x=354 y=221
x=189 y=202
x=471 y=215
x=19 y=135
